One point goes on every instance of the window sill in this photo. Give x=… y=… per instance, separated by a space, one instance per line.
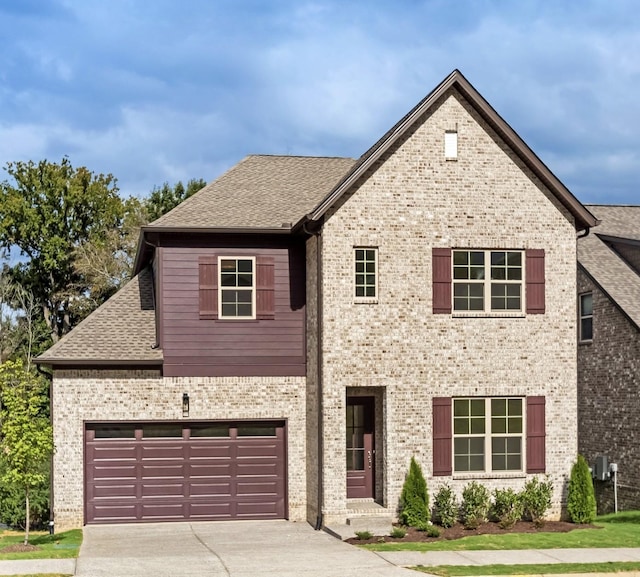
x=365 y=301
x=590 y=342
x=496 y=475
x=488 y=315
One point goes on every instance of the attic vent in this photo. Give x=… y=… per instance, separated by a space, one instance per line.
x=451 y=145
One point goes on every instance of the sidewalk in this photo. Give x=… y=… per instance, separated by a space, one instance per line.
x=33 y=566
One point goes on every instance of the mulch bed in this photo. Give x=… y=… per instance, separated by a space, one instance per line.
x=19 y=548
x=458 y=531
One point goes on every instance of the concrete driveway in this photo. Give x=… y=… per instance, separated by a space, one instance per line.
x=224 y=549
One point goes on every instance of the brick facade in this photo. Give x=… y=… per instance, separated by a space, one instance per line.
x=412 y=200
x=134 y=396
x=608 y=401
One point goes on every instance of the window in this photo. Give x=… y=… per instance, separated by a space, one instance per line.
x=451 y=145
x=487 y=434
x=487 y=280
x=586 y=317
x=237 y=287
x=366 y=265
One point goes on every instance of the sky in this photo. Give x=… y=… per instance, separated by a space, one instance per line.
x=156 y=91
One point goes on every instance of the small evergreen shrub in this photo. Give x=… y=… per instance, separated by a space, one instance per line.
x=398 y=532
x=581 y=500
x=414 y=500
x=475 y=505
x=536 y=498
x=507 y=508
x=445 y=507
x=364 y=535
x=433 y=531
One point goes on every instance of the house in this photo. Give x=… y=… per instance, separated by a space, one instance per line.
x=301 y=327
x=609 y=353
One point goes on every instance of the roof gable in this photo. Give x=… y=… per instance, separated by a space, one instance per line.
x=583 y=218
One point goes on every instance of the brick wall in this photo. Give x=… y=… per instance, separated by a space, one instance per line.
x=411 y=201
x=608 y=400
x=99 y=396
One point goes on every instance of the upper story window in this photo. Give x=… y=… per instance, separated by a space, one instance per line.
x=366 y=273
x=488 y=434
x=237 y=287
x=586 y=317
x=451 y=145
x=487 y=280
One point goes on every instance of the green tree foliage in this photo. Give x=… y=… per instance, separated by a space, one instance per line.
x=414 y=500
x=164 y=198
x=48 y=210
x=581 y=500
x=26 y=434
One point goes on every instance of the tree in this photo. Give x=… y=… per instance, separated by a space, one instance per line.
x=48 y=211
x=414 y=500
x=26 y=434
x=164 y=198
x=581 y=499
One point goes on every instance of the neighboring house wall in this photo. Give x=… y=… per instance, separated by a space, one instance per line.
x=81 y=396
x=608 y=399
x=196 y=344
x=397 y=350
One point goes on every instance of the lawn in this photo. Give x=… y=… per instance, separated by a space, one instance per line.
x=546 y=569
x=615 y=530
x=61 y=546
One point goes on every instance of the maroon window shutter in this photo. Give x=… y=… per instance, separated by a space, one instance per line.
x=441 y=263
x=535 y=281
x=441 y=436
x=208 y=287
x=265 y=288
x=536 y=449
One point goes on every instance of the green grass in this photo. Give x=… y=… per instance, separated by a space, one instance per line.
x=621 y=530
x=61 y=546
x=547 y=568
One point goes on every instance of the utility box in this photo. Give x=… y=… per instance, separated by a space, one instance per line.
x=601 y=469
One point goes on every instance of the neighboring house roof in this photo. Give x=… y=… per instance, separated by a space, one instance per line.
x=121 y=331
x=266 y=192
x=584 y=219
x=597 y=255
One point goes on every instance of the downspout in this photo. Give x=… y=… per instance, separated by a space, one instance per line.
x=320 y=400
x=586 y=233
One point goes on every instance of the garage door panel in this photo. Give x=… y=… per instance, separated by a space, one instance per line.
x=147 y=479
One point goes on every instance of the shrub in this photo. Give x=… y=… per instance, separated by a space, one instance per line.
x=475 y=505
x=507 y=507
x=414 y=500
x=398 y=532
x=581 y=500
x=432 y=531
x=445 y=507
x=364 y=535
x=536 y=498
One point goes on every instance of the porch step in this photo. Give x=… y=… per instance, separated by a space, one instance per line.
x=363 y=515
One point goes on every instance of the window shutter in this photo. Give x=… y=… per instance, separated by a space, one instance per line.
x=208 y=287
x=536 y=449
x=441 y=436
x=265 y=288
x=441 y=264
x=535 y=281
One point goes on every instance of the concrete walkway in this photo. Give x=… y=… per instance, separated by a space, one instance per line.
x=269 y=549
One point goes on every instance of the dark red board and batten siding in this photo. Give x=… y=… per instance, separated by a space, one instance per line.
x=196 y=343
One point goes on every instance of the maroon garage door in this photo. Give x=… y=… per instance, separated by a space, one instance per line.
x=175 y=471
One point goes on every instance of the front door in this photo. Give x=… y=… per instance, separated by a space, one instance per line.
x=360 y=453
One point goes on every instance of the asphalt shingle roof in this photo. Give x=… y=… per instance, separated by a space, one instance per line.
x=122 y=329
x=267 y=192
x=604 y=265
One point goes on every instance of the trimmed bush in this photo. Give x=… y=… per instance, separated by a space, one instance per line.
x=536 y=498
x=414 y=500
x=581 y=500
x=398 y=532
x=475 y=505
x=507 y=508
x=445 y=507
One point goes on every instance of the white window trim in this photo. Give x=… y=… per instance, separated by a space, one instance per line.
x=365 y=299
x=253 y=287
x=451 y=145
x=582 y=316
x=488 y=436
x=487 y=282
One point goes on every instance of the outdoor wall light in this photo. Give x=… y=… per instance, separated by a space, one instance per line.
x=185 y=405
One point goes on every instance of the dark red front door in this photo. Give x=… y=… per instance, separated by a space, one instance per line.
x=360 y=444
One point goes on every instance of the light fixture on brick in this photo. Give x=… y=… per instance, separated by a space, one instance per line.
x=185 y=405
